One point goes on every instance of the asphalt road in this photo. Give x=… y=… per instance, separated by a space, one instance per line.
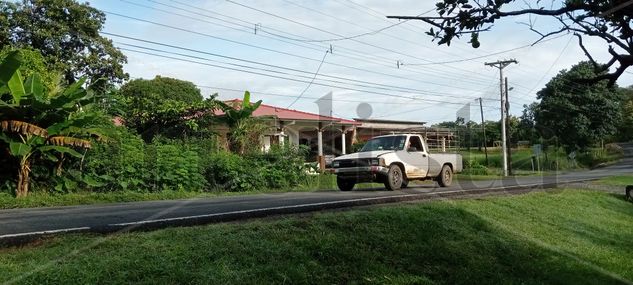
x=20 y=224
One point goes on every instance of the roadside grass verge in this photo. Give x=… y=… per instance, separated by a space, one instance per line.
x=568 y=237
x=622 y=180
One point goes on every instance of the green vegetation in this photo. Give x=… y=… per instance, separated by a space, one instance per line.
x=622 y=180
x=569 y=237
x=163 y=106
x=550 y=160
x=66 y=33
x=40 y=125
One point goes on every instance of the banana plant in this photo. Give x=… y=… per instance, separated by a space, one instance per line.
x=239 y=120
x=36 y=124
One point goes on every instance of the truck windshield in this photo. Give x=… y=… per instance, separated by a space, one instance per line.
x=385 y=143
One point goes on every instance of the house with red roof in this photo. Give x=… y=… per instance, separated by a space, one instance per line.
x=325 y=135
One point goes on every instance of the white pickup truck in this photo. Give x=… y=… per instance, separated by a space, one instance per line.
x=395 y=160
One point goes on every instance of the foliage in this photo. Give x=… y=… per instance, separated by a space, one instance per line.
x=39 y=125
x=526 y=128
x=34 y=63
x=129 y=164
x=625 y=127
x=280 y=167
x=243 y=129
x=67 y=34
x=609 y=21
x=581 y=115
x=163 y=106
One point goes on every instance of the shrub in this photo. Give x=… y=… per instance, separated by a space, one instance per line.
x=231 y=172
x=128 y=163
x=472 y=167
x=120 y=163
x=280 y=167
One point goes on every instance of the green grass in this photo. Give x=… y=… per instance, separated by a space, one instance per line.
x=556 y=160
x=622 y=180
x=570 y=237
x=43 y=199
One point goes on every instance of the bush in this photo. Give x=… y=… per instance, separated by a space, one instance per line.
x=280 y=167
x=472 y=167
x=129 y=164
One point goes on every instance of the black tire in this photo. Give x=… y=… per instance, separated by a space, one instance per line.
x=445 y=178
x=629 y=193
x=345 y=184
x=405 y=183
x=394 y=178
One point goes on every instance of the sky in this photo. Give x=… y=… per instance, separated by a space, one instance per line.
x=290 y=53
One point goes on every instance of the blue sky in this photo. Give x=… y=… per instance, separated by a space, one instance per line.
x=362 y=69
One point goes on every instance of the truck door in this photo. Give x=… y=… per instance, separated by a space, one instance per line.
x=415 y=158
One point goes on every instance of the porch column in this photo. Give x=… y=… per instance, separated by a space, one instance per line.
x=282 y=137
x=343 y=140
x=320 y=146
x=281 y=133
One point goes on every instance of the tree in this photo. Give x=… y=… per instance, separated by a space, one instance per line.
x=625 y=128
x=163 y=106
x=526 y=130
x=36 y=124
x=67 y=35
x=580 y=115
x=609 y=20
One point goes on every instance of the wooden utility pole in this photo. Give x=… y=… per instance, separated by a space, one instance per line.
x=501 y=65
x=483 y=128
x=508 y=136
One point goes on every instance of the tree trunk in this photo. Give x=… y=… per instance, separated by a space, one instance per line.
x=59 y=166
x=23 y=178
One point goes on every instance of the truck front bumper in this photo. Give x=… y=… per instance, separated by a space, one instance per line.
x=361 y=174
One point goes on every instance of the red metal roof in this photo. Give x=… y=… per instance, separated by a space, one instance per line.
x=288 y=114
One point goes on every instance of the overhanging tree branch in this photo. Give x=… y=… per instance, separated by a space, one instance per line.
x=609 y=20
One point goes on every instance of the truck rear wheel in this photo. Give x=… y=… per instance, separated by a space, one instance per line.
x=345 y=184
x=394 y=178
x=445 y=178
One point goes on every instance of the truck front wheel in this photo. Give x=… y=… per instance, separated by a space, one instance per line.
x=446 y=176
x=345 y=184
x=394 y=178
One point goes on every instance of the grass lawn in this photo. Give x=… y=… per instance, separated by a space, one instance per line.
x=568 y=237
x=622 y=180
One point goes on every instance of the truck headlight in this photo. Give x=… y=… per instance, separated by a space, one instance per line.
x=375 y=162
x=335 y=164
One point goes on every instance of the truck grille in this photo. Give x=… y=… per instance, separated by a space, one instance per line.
x=354 y=163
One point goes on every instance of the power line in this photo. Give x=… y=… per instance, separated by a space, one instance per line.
x=435 y=73
x=372 y=84
x=281 y=52
x=277 y=72
x=292 y=79
x=311 y=81
x=482 y=56
x=338 y=35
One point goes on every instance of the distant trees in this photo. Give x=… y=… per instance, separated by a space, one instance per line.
x=576 y=111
